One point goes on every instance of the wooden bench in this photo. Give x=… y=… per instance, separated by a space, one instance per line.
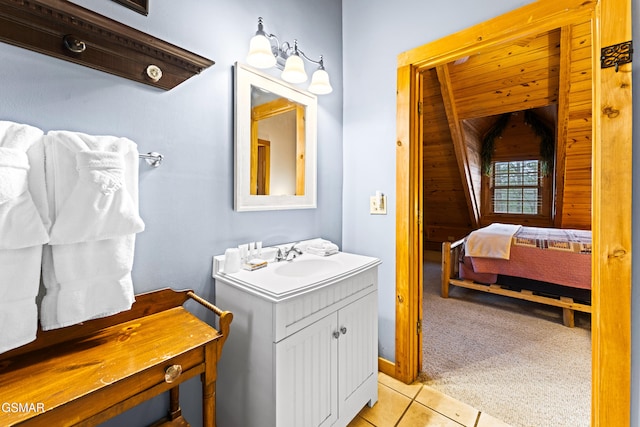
x=84 y=374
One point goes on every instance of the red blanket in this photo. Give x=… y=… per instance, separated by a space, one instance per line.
x=560 y=256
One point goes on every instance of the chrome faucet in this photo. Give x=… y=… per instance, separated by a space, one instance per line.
x=283 y=255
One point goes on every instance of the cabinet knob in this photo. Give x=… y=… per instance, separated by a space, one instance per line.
x=343 y=330
x=172 y=373
x=336 y=334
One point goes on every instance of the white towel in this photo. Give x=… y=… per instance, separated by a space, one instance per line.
x=94 y=199
x=19 y=282
x=320 y=247
x=86 y=280
x=23 y=224
x=492 y=241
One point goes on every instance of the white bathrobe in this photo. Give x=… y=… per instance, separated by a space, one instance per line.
x=92 y=187
x=23 y=231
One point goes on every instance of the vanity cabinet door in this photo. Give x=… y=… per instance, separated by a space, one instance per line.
x=306 y=379
x=357 y=354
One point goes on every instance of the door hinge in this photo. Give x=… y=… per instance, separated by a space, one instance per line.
x=419 y=327
x=616 y=55
x=419 y=108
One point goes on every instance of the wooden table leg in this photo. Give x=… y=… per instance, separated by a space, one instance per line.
x=174 y=403
x=209 y=385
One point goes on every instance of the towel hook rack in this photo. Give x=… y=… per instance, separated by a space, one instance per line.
x=153 y=159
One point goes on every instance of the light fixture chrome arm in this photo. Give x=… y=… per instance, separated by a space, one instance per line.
x=264 y=54
x=319 y=62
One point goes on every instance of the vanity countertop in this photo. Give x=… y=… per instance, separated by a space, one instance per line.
x=280 y=281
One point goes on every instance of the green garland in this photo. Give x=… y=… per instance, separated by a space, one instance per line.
x=547 y=140
x=547 y=143
x=488 y=142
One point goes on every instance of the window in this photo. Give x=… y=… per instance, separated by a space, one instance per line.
x=516 y=187
x=517 y=165
x=517 y=191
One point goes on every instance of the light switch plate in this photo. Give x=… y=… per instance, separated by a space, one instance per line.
x=378 y=205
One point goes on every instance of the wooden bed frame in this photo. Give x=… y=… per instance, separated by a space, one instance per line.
x=451 y=276
x=85 y=374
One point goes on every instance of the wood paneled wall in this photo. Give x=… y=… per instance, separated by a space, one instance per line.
x=575 y=203
x=446 y=214
x=551 y=69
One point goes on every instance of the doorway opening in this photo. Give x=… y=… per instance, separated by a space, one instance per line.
x=611 y=271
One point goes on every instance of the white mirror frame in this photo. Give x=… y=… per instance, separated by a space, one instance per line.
x=245 y=78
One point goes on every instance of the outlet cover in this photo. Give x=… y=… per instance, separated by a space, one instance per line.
x=378 y=205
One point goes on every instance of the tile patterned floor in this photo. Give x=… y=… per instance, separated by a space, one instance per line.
x=418 y=405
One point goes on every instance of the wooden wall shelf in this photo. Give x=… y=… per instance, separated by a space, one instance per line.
x=109 y=46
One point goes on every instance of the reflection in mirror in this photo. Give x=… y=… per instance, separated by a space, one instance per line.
x=275 y=143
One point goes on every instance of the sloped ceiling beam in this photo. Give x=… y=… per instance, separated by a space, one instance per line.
x=460 y=150
x=563 y=119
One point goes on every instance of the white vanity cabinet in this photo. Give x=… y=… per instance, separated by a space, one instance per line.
x=321 y=368
x=303 y=350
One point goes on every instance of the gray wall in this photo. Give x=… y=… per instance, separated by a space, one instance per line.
x=374 y=33
x=187 y=203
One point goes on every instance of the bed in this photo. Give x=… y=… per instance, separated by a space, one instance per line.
x=545 y=265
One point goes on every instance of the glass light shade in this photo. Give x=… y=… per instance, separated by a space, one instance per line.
x=294 y=70
x=260 y=54
x=320 y=83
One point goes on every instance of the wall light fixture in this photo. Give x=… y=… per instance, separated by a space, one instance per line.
x=266 y=51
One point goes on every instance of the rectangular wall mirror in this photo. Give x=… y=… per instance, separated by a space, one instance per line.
x=275 y=143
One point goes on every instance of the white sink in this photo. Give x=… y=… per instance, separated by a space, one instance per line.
x=282 y=280
x=305 y=267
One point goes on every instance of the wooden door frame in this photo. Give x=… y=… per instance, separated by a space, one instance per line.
x=266 y=171
x=273 y=109
x=611 y=204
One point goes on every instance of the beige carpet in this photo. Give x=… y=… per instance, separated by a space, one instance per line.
x=511 y=359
